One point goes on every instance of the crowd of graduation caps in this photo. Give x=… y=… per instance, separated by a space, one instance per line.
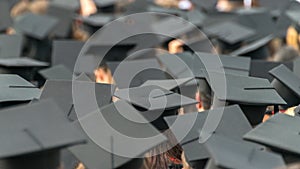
x=257 y=42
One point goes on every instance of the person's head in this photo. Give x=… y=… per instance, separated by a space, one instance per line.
x=229 y=5
x=286 y=54
x=293 y=38
x=103 y=75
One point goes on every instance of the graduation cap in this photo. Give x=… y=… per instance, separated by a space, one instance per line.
x=159 y=9
x=66 y=52
x=281 y=134
x=205 y=4
x=229 y=32
x=274 y=5
x=36 y=26
x=256 y=50
x=61 y=92
x=296 y=68
x=95 y=22
x=122 y=142
x=173 y=27
x=65 y=18
x=261 y=68
x=196 y=17
x=229 y=64
x=252 y=94
x=114 y=52
x=154 y=102
x=83 y=77
x=56 y=72
x=258 y=19
x=69 y=4
x=16 y=89
x=287 y=85
x=33 y=141
x=10 y=46
x=231 y=123
x=134 y=73
x=230 y=153
x=168 y=84
x=136 y=6
x=5 y=19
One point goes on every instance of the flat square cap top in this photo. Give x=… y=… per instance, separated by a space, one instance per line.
x=56 y=72
x=169 y=84
x=66 y=52
x=15 y=88
x=22 y=62
x=10 y=46
x=105 y=3
x=69 y=4
x=244 y=90
x=5 y=19
x=61 y=91
x=229 y=153
x=36 y=26
x=228 y=64
x=287 y=77
x=252 y=46
x=229 y=32
x=97 y=20
x=134 y=73
x=232 y=123
x=116 y=126
x=280 y=132
x=33 y=130
x=154 y=98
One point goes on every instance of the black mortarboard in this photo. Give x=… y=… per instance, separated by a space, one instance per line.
x=134 y=73
x=5 y=19
x=36 y=26
x=287 y=85
x=10 y=46
x=155 y=102
x=229 y=32
x=190 y=65
x=275 y=4
x=56 y=72
x=83 y=77
x=95 y=22
x=22 y=62
x=230 y=153
x=261 y=68
x=169 y=84
x=281 y=134
x=17 y=89
x=256 y=50
x=196 y=17
x=69 y=4
x=105 y=3
x=228 y=64
x=252 y=94
x=229 y=122
x=65 y=18
x=205 y=4
x=173 y=27
x=136 y=6
x=296 y=68
x=114 y=52
x=61 y=92
x=66 y=52
x=159 y=9
x=259 y=19
x=34 y=140
x=119 y=134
